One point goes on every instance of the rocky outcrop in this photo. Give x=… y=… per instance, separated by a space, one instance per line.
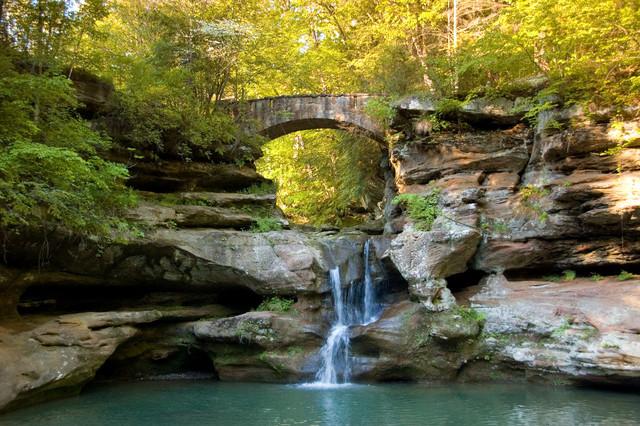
x=278 y=262
x=444 y=154
x=186 y=216
x=47 y=358
x=543 y=198
x=411 y=343
x=495 y=111
x=261 y=346
x=179 y=176
x=581 y=330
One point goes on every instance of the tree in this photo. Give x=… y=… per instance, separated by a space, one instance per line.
x=325 y=176
x=51 y=174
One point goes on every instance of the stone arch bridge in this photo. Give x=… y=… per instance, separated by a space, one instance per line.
x=278 y=116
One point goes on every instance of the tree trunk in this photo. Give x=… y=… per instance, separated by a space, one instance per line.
x=4 y=33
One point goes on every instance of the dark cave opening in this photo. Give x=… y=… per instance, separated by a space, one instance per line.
x=154 y=360
x=460 y=282
x=540 y=273
x=46 y=299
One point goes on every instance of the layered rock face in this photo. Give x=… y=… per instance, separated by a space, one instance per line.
x=176 y=301
x=530 y=203
x=580 y=331
x=522 y=200
x=467 y=300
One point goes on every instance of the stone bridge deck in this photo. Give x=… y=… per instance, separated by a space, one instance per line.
x=275 y=117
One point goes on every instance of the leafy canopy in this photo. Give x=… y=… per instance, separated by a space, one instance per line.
x=324 y=176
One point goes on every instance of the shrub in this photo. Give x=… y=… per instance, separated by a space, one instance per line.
x=266 y=224
x=276 y=304
x=624 y=276
x=568 y=275
x=422 y=209
x=596 y=277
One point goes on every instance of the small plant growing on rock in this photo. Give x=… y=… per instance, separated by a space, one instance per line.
x=531 y=196
x=276 y=304
x=563 y=328
x=470 y=314
x=529 y=192
x=596 y=277
x=422 y=209
x=568 y=275
x=609 y=345
x=625 y=276
x=266 y=224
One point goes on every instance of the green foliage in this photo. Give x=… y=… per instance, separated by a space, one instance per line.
x=532 y=197
x=562 y=329
x=266 y=224
x=50 y=172
x=381 y=110
x=422 y=209
x=495 y=226
x=470 y=314
x=262 y=188
x=448 y=107
x=324 y=176
x=532 y=115
x=436 y=123
x=624 y=276
x=596 y=277
x=568 y=275
x=622 y=136
x=276 y=304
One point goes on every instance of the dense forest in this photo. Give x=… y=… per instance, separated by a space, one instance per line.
x=174 y=63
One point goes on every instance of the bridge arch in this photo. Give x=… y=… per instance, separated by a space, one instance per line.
x=279 y=116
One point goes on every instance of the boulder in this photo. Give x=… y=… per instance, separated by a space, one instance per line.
x=425 y=259
x=411 y=343
x=261 y=346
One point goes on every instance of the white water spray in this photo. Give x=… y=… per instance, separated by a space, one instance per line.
x=357 y=308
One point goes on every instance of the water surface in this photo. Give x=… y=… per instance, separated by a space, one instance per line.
x=214 y=403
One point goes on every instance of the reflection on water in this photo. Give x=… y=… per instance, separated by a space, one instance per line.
x=209 y=403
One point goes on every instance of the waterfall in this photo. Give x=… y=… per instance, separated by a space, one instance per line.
x=357 y=307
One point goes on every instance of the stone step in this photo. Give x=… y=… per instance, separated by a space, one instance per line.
x=172 y=176
x=185 y=216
